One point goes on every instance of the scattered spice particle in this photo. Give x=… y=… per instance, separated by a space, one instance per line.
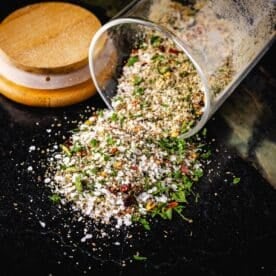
x=42 y=224
x=86 y=237
x=236 y=180
x=142 y=178
x=132 y=60
x=32 y=148
x=55 y=198
x=138 y=257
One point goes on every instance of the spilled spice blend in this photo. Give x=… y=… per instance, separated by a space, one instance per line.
x=109 y=173
x=130 y=164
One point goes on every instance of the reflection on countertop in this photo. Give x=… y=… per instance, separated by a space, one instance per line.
x=250 y=113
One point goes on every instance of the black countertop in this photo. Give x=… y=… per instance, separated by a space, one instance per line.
x=234 y=228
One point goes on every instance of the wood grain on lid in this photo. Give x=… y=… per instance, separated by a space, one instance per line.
x=48 y=37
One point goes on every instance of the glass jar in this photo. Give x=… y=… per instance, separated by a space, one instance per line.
x=223 y=39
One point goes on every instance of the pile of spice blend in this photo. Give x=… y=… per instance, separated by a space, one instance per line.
x=109 y=173
x=130 y=164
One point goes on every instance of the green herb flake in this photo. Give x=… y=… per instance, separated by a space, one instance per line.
x=158 y=57
x=187 y=125
x=197 y=197
x=177 y=174
x=137 y=80
x=155 y=40
x=78 y=184
x=132 y=60
x=138 y=257
x=179 y=196
x=184 y=74
x=110 y=141
x=66 y=150
x=114 y=117
x=71 y=169
x=63 y=167
x=187 y=183
x=206 y=155
x=198 y=173
x=144 y=223
x=204 y=132
x=106 y=157
x=76 y=148
x=113 y=173
x=101 y=113
x=94 y=143
x=94 y=170
x=163 y=69
x=75 y=130
x=179 y=210
x=236 y=180
x=165 y=105
x=55 y=198
x=122 y=120
x=139 y=91
x=143 y=46
x=181 y=146
x=169 y=213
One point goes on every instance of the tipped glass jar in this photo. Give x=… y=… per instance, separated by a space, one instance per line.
x=171 y=64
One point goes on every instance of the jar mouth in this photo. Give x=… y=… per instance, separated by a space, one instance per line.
x=168 y=34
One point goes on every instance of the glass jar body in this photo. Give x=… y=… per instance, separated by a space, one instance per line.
x=223 y=39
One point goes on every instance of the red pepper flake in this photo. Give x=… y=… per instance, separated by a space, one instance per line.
x=134 y=102
x=68 y=143
x=83 y=153
x=199 y=30
x=172 y=204
x=124 y=188
x=184 y=169
x=113 y=150
x=162 y=48
x=135 y=168
x=113 y=189
x=144 y=63
x=129 y=201
x=173 y=51
x=128 y=210
x=158 y=162
x=168 y=162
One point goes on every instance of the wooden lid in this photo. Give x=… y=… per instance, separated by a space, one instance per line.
x=50 y=37
x=58 y=97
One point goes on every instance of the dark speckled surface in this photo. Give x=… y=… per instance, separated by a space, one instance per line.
x=234 y=228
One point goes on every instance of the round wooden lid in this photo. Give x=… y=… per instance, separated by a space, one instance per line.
x=58 y=97
x=50 y=37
